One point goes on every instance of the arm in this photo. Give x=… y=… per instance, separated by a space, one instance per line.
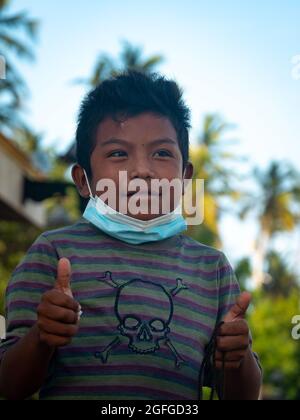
x=30 y=358
x=245 y=382
x=24 y=367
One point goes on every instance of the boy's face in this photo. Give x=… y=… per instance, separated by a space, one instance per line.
x=145 y=146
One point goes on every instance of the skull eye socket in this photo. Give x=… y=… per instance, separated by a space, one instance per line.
x=157 y=325
x=131 y=323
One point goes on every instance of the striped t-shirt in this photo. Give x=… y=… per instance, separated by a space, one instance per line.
x=148 y=312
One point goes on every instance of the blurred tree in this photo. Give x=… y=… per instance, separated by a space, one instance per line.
x=214 y=163
x=130 y=58
x=13 y=88
x=279 y=279
x=243 y=272
x=13 y=245
x=271 y=325
x=276 y=206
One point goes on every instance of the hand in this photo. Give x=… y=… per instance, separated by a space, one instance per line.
x=234 y=339
x=58 y=312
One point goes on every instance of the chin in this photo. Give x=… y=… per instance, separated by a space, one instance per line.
x=144 y=217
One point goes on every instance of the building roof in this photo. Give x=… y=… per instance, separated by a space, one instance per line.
x=24 y=161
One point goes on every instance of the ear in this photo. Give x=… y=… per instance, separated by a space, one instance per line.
x=80 y=181
x=188 y=173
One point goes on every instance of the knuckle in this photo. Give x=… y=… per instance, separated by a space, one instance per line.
x=246 y=342
x=48 y=295
x=221 y=344
x=245 y=327
x=66 y=341
x=40 y=309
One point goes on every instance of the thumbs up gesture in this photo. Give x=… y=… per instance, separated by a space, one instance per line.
x=58 y=312
x=234 y=339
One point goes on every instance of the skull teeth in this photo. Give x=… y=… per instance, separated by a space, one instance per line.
x=143 y=351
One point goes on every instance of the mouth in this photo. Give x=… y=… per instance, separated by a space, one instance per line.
x=144 y=194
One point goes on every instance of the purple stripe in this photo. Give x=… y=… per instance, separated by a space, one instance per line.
x=146 y=263
x=107 y=330
x=108 y=293
x=41 y=247
x=111 y=389
x=20 y=323
x=228 y=289
x=69 y=231
x=108 y=246
x=129 y=370
x=80 y=350
x=42 y=267
x=21 y=304
x=195 y=306
x=208 y=292
x=27 y=284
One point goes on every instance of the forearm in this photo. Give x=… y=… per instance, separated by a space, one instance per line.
x=244 y=383
x=24 y=367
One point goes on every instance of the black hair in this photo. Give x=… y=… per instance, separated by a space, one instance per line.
x=130 y=94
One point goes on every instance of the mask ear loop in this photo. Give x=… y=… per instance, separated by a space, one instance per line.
x=88 y=184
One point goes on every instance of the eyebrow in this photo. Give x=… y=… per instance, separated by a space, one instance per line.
x=127 y=143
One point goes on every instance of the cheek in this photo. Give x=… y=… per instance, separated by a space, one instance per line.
x=168 y=169
x=101 y=173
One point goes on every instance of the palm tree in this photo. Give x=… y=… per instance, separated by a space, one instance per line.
x=280 y=280
x=214 y=163
x=276 y=207
x=13 y=88
x=130 y=58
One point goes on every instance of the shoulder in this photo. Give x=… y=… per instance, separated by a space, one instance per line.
x=81 y=227
x=198 y=248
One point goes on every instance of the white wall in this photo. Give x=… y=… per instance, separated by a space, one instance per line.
x=11 y=191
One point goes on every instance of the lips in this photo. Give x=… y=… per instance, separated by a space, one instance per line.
x=143 y=194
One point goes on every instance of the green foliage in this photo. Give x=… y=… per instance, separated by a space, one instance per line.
x=279 y=353
x=130 y=58
x=13 y=245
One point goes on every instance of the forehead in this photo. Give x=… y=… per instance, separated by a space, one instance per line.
x=144 y=127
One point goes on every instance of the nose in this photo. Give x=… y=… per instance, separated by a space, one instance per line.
x=142 y=169
x=144 y=334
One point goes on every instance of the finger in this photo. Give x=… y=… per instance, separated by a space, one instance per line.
x=232 y=356
x=58 y=298
x=57 y=328
x=239 y=309
x=225 y=344
x=63 y=278
x=54 y=340
x=57 y=313
x=228 y=365
x=233 y=328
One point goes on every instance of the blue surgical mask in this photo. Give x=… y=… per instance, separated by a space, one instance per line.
x=129 y=229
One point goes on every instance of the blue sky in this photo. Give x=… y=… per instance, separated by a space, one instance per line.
x=232 y=57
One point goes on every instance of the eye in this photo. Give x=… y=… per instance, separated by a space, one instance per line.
x=131 y=322
x=157 y=325
x=118 y=153
x=163 y=153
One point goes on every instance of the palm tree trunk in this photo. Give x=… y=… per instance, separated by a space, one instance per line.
x=260 y=252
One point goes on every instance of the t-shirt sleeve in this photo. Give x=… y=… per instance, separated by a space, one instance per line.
x=30 y=280
x=227 y=292
x=228 y=287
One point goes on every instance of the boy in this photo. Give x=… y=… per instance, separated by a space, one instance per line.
x=122 y=306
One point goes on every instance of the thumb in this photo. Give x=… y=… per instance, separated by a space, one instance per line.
x=64 y=276
x=239 y=309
